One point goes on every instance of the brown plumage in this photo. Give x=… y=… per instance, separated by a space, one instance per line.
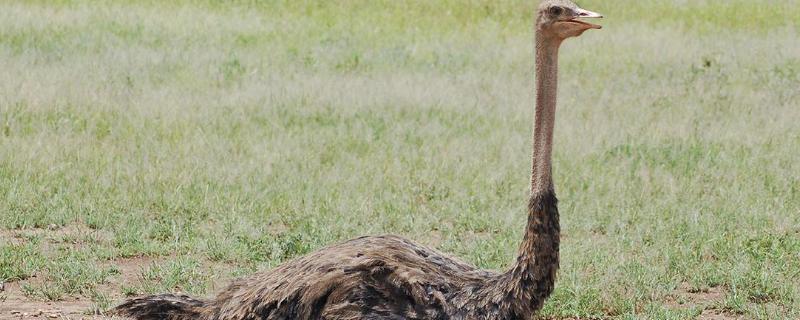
x=389 y=277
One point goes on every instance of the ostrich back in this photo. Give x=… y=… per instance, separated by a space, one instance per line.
x=380 y=277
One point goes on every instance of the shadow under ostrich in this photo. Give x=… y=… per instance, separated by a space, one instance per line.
x=389 y=277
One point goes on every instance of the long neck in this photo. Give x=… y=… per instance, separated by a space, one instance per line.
x=532 y=277
x=544 y=119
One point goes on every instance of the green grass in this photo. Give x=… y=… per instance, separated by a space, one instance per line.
x=220 y=138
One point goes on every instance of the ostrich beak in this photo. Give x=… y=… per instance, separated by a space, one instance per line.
x=583 y=13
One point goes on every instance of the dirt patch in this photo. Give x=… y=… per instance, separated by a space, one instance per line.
x=686 y=296
x=75 y=236
x=130 y=270
x=15 y=305
x=569 y=318
x=11 y=237
x=713 y=314
x=700 y=296
x=434 y=239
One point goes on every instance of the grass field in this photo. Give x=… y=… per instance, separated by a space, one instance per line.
x=151 y=147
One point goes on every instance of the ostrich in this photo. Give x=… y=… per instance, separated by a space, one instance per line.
x=389 y=277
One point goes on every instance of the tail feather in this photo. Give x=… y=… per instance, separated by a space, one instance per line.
x=162 y=307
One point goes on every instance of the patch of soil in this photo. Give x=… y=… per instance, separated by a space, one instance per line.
x=702 y=297
x=75 y=236
x=15 y=305
x=686 y=296
x=11 y=237
x=713 y=314
x=130 y=269
x=570 y=318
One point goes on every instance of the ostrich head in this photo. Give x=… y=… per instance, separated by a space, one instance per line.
x=559 y=19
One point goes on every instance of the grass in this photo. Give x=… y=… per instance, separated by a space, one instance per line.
x=205 y=140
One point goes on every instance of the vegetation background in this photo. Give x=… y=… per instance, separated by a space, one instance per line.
x=154 y=146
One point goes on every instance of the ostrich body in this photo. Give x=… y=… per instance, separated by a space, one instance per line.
x=389 y=277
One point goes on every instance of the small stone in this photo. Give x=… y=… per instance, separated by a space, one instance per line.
x=52 y=226
x=15 y=312
x=52 y=315
x=2 y=286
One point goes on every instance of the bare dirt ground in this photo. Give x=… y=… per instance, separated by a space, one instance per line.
x=15 y=305
x=708 y=298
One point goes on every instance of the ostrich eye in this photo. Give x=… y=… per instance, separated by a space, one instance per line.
x=556 y=10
